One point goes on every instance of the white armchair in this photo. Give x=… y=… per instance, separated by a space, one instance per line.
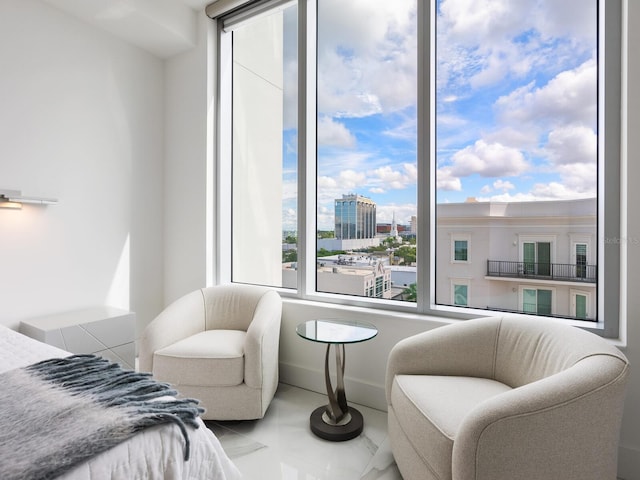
x=219 y=345
x=505 y=398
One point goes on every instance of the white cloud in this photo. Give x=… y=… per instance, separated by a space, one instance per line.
x=411 y=170
x=369 y=66
x=289 y=190
x=567 y=98
x=406 y=130
x=350 y=180
x=580 y=178
x=488 y=160
x=333 y=162
x=326 y=182
x=325 y=218
x=522 y=139
x=556 y=191
x=447 y=181
x=507 y=197
x=346 y=181
x=503 y=185
x=334 y=134
x=470 y=21
x=485 y=42
x=451 y=121
x=576 y=18
x=392 y=178
x=572 y=144
x=402 y=213
x=289 y=219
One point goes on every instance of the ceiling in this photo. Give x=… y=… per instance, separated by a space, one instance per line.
x=161 y=27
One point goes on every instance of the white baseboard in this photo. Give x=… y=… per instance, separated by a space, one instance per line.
x=628 y=463
x=357 y=391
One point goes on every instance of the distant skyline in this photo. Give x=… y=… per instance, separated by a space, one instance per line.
x=516 y=103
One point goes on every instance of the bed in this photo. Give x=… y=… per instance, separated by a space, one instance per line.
x=155 y=453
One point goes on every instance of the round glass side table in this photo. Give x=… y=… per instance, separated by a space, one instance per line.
x=336 y=421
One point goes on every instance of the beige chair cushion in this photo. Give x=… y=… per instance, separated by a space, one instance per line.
x=219 y=353
x=430 y=408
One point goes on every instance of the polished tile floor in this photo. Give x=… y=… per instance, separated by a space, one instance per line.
x=281 y=446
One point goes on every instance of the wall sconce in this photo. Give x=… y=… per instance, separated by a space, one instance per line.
x=14 y=199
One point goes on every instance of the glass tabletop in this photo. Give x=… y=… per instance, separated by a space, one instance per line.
x=336 y=331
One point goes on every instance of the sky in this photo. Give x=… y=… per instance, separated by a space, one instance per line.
x=515 y=103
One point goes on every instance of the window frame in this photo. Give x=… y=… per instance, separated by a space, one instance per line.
x=605 y=248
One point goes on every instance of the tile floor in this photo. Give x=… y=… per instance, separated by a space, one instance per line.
x=281 y=446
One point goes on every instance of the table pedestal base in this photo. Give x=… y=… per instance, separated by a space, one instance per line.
x=338 y=432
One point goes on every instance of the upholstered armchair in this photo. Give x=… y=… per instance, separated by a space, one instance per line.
x=219 y=345
x=505 y=398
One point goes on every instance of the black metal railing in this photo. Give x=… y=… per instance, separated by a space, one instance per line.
x=565 y=272
x=529 y=310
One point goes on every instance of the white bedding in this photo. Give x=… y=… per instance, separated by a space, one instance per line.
x=156 y=453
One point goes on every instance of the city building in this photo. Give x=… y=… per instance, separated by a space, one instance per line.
x=530 y=257
x=355 y=279
x=355 y=217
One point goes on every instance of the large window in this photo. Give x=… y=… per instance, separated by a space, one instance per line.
x=362 y=155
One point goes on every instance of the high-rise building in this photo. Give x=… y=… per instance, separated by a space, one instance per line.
x=355 y=217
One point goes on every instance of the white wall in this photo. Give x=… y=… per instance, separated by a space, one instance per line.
x=80 y=120
x=189 y=103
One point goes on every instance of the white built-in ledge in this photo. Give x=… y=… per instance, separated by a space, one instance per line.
x=105 y=331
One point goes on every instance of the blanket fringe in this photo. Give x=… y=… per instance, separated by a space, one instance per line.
x=107 y=384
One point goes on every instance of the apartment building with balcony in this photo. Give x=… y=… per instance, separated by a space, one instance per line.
x=530 y=257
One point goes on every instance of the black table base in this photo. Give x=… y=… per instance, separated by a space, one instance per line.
x=336 y=433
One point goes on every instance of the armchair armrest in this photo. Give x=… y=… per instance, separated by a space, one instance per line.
x=262 y=342
x=523 y=433
x=181 y=319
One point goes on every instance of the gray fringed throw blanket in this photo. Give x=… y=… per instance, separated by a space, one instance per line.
x=57 y=413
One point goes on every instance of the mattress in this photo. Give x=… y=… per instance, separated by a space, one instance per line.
x=156 y=453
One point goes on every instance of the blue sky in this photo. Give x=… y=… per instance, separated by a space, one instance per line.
x=515 y=103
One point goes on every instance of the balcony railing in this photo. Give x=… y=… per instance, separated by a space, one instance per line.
x=565 y=272
x=529 y=310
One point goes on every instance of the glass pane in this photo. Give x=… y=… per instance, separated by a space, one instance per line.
x=366 y=148
x=544 y=258
x=544 y=302
x=581 y=306
x=581 y=260
x=529 y=256
x=264 y=231
x=460 y=295
x=460 y=250
x=516 y=143
x=529 y=301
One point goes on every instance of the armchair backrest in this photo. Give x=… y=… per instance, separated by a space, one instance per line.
x=232 y=306
x=530 y=350
x=513 y=350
